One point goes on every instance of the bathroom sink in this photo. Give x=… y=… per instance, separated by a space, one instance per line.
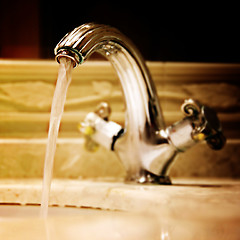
x=74 y=223
x=15 y=211
x=85 y=209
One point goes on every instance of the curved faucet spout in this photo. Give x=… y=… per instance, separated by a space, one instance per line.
x=143 y=115
x=125 y=58
x=145 y=147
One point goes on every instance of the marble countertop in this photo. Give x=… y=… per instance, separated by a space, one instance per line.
x=188 y=209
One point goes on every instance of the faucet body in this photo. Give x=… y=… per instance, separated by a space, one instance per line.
x=144 y=145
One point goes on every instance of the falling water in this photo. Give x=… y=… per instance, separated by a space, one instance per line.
x=63 y=81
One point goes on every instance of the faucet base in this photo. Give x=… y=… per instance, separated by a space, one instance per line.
x=148 y=177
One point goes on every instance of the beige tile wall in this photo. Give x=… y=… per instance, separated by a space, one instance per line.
x=26 y=90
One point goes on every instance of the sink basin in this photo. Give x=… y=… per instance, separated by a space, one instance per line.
x=8 y=211
x=73 y=223
x=84 y=209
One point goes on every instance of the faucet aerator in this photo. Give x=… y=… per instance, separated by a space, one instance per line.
x=69 y=52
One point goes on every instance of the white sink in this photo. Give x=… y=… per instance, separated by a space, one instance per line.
x=189 y=209
x=68 y=223
x=15 y=211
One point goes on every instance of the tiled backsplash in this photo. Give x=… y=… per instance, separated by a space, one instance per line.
x=26 y=90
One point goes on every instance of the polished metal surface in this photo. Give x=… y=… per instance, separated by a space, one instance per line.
x=145 y=147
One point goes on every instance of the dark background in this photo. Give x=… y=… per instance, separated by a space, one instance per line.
x=163 y=31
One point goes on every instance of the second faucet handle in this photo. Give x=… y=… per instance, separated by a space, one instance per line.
x=206 y=124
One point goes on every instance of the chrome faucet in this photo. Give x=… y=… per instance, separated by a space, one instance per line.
x=144 y=145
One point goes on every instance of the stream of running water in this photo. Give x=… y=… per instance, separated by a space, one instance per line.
x=59 y=98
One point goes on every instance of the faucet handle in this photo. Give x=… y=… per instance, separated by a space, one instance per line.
x=211 y=128
x=98 y=130
x=206 y=124
x=103 y=110
x=191 y=108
